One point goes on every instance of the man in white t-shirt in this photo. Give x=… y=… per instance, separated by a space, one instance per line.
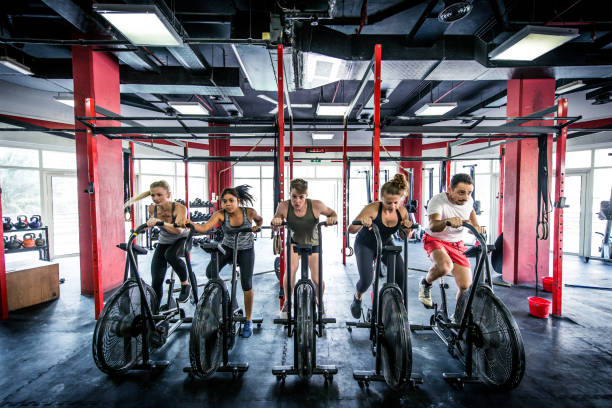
x=444 y=244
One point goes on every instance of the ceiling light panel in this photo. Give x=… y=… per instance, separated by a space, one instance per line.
x=331 y=109
x=435 y=109
x=140 y=24
x=322 y=136
x=569 y=87
x=531 y=42
x=188 y=108
x=15 y=66
x=65 y=99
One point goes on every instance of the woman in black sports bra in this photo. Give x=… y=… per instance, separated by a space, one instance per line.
x=389 y=215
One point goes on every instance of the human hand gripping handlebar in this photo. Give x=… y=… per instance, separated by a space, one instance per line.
x=474 y=231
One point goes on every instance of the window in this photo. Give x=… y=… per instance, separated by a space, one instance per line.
x=10 y=156
x=245 y=171
x=577 y=160
x=164 y=168
x=304 y=172
x=603 y=158
x=59 y=160
x=20 y=191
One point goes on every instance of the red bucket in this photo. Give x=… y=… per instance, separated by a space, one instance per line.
x=547 y=283
x=539 y=307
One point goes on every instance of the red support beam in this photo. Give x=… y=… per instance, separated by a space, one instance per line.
x=376 y=140
x=502 y=170
x=559 y=192
x=448 y=167
x=3 y=291
x=344 y=193
x=132 y=185
x=291 y=150
x=281 y=152
x=94 y=215
x=413 y=148
x=187 y=178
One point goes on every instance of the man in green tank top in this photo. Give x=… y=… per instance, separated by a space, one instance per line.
x=302 y=215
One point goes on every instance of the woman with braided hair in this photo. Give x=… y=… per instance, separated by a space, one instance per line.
x=233 y=214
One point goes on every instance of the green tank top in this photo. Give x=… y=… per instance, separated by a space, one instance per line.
x=304 y=229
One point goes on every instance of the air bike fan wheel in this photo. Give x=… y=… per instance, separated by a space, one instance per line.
x=117 y=341
x=304 y=331
x=498 y=351
x=206 y=337
x=396 y=357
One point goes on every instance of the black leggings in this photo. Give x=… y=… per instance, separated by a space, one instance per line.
x=246 y=262
x=167 y=254
x=366 y=255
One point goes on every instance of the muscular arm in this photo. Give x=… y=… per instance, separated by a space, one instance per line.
x=253 y=216
x=474 y=222
x=216 y=218
x=181 y=216
x=320 y=208
x=436 y=223
x=281 y=212
x=368 y=212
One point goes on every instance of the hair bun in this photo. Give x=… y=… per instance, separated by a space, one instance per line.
x=400 y=181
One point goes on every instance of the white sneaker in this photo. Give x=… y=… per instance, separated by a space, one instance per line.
x=425 y=294
x=283 y=312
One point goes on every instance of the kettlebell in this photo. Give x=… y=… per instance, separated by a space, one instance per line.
x=35 y=221
x=14 y=243
x=22 y=222
x=40 y=241
x=7 y=224
x=28 y=240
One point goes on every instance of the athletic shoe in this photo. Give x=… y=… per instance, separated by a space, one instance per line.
x=283 y=312
x=356 y=308
x=185 y=293
x=247 y=329
x=425 y=293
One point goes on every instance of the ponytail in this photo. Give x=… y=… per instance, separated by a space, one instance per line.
x=241 y=193
x=161 y=183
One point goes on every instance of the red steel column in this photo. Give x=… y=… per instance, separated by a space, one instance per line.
x=132 y=185
x=525 y=96
x=218 y=177
x=344 y=206
x=281 y=152
x=3 y=292
x=291 y=151
x=414 y=148
x=96 y=77
x=376 y=141
x=502 y=165
x=559 y=192
x=448 y=167
x=186 y=152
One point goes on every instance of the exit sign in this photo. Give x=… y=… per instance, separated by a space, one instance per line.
x=315 y=150
x=315 y=160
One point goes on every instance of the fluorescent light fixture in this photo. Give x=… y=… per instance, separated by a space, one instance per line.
x=569 y=87
x=531 y=42
x=322 y=136
x=15 y=66
x=331 y=109
x=65 y=99
x=188 y=108
x=140 y=24
x=435 y=109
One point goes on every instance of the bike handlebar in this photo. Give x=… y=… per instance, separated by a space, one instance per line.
x=473 y=230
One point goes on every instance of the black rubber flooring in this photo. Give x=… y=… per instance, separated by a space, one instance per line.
x=46 y=357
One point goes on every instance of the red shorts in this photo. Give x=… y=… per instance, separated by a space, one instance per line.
x=454 y=250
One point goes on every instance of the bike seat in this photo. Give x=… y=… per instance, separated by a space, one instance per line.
x=303 y=248
x=212 y=246
x=392 y=249
x=138 y=250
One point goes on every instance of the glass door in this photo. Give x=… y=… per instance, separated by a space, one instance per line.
x=575 y=212
x=63 y=214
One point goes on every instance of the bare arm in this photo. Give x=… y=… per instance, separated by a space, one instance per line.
x=365 y=216
x=320 y=208
x=474 y=222
x=405 y=221
x=253 y=216
x=181 y=216
x=281 y=214
x=216 y=218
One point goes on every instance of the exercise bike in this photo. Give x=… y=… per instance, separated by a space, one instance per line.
x=388 y=323
x=130 y=326
x=483 y=335
x=307 y=321
x=217 y=319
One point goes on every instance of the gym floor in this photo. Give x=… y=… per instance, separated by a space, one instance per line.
x=47 y=358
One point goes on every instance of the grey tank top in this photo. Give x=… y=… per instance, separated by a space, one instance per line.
x=166 y=237
x=303 y=229
x=245 y=239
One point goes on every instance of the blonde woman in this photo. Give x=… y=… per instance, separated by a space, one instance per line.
x=389 y=215
x=171 y=239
